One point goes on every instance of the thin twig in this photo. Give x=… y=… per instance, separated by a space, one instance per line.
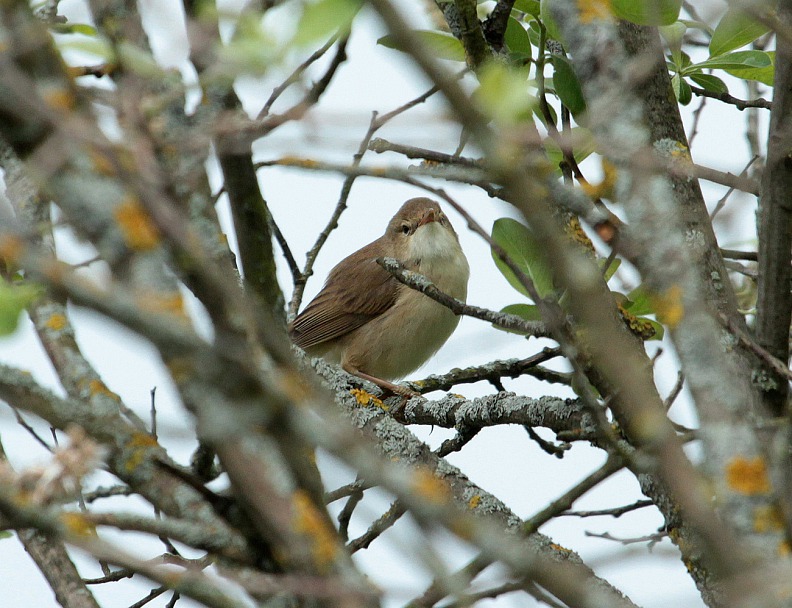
x=740 y=104
x=108 y=492
x=751 y=256
x=23 y=423
x=722 y=201
x=680 y=382
x=425 y=286
x=311 y=97
x=775 y=364
x=295 y=76
x=345 y=515
x=696 y=119
x=651 y=539
x=153 y=594
x=470 y=599
x=459 y=579
x=564 y=502
x=285 y=249
x=379 y=146
x=346 y=490
x=614 y=512
x=390 y=517
x=547 y=446
x=113 y=577
x=512 y=368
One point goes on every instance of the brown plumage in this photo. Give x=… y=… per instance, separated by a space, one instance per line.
x=370 y=323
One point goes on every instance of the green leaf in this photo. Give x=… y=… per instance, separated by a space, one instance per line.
x=5 y=534
x=73 y=28
x=567 y=85
x=674 y=35
x=614 y=266
x=94 y=46
x=685 y=93
x=699 y=25
x=503 y=93
x=516 y=38
x=711 y=83
x=139 y=61
x=658 y=327
x=647 y=12
x=14 y=298
x=529 y=312
x=534 y=31
x=324 y=18
x=443 y=46
x=252 y=50
x=734 y=61
x=522 y=247
x=540 y=115
x=735 y=29
x=530 y=7
x=764 y=75
x=546 y=17
x=638 y=302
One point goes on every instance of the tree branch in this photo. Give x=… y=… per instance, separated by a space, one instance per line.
x=425 y=286
x=774 y=299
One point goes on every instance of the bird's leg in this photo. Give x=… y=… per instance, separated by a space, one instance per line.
x=392 y=388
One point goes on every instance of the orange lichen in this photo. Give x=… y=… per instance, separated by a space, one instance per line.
x=171 y=303
x=575 y=231
x=97 y=387
x=474 y=502
x=366 y=398
x=430 y=488
x=748 y=475
x=308 y=520
x=558 y=547
x=180 y=368
x=102 y=164
x=604 y=189
x=640 y=327
x=11 y=247
x=139 y=231
x=767 y=519
x=59 y=99
x=784 y=549
x=668 y=306
x=56 y=322
x=139 y=444
x=592 y=10
x=681 y=152
x=77 y=524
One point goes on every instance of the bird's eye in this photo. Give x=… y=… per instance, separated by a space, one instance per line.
x=405 y=228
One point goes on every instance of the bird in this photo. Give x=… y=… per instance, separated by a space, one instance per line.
x=371 y=324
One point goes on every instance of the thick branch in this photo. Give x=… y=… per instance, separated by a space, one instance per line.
x=55 y=564
x=774 y=301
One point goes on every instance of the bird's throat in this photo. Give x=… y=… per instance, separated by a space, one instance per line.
x=439 y=258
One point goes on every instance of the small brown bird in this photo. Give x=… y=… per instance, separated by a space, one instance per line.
x=375 y=326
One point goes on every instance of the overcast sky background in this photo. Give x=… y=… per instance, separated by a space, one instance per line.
x=503 y=460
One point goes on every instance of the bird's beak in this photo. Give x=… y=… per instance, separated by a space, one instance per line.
x=428 y=217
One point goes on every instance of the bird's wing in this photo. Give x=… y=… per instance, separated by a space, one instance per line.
x=357 y=290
